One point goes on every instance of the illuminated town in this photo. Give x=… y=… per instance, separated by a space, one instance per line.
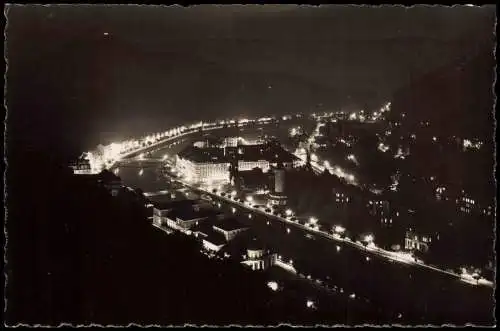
x=332 y=216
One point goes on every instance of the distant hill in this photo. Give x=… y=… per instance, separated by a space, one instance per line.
x=457 y=99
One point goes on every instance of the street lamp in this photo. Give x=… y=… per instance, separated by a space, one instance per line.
x=339 y=229
x=288 y=212
x=313 y=220
x=369 y=238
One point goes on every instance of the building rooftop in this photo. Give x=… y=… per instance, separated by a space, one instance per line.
x=173 y=204
x=215 y=238
x=204 y=155
x=229 y=224
x=191 y=214
x=203 y=227
x=250 y=153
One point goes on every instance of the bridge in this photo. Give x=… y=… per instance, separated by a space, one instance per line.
x=135 y=162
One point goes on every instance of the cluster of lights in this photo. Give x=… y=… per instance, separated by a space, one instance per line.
x=440 y=189
x=382 y=147
x=468 y=200
x=295 y=131
x=352 y=158
x=264 y=120
x=273 y=285
x=469 y=144
x=343 y=141
x=400 y=154
x=310 y=304
x=313 y=221
x=386 y=108
x=395 y=181
x=105 y=156
x=338 y=229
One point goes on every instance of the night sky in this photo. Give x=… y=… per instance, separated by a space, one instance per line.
x=82 y=75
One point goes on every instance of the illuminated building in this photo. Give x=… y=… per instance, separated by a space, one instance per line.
x=420 y=242
x=211 y=142
x=440 y=191
x=386 y=222
x=212 y=241
x=257 y=257
x=203 y=164
x=254 y=179
x=215 y=235
x=465 y=203
x=161 y=209
x=209 y=164
x=279 y=180
x=81 y=167
x=473 y=144
x=380 y=207
x=184 y=219
x=232 y=141
x=229 y=228
x=340 y=197
x=277 y=196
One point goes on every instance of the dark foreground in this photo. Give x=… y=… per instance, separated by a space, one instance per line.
x=77 y=255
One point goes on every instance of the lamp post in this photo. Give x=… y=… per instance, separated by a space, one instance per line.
x=368 y=239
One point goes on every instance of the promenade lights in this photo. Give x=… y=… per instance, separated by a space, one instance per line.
x=272 y=285
x=310 y=304
x=339 y=229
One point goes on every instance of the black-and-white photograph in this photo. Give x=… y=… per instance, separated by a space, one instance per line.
x=249 y=165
